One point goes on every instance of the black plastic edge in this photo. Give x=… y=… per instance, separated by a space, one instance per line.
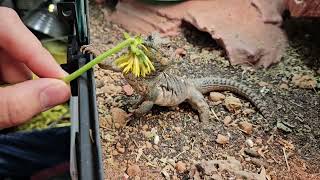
x=88 y=146
x=86 y=116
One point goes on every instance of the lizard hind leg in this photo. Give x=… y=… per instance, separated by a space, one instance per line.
x=197 y=101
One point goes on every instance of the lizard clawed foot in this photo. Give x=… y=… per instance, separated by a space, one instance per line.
x=135 y=103
x=198 y=103
x=204 y=118
x=90 y=49
x=133 y=118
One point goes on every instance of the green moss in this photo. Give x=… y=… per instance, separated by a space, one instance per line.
x=58 y=49
x=55 y=117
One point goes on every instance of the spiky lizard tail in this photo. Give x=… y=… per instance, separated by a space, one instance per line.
x=208 y=84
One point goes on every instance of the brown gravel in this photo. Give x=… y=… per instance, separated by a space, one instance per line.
x=181 y=136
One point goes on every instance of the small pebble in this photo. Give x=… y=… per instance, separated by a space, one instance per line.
x=155 y=147
x=304 y=81
x=251 y=152
x=175 y=177
x=194 y=56
x=232 y=103
x=284 y=86
x=165 y=174
x=117 y=125
x=156 y=139
x=180 y=167
x=110 y=89
x=249 y=143
x=128 y=89
x=125 y=176
x=215 y=96
x=148 y=145
x=227 y=120
x=115 y=152
x=246 y=127
x=283 y=127
x=180 y=52
x=145 y=127
x=120 y=148
x=221 y=139
x=133 y=170
x=259 y=140
x=119 y=116
x=185 y=148
x=99 y=83
x=248 y=111
x=263 y=84
x=258 y=162
x=178 y=129
x=172 y=162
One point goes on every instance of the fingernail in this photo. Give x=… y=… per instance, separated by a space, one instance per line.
x=56 y=93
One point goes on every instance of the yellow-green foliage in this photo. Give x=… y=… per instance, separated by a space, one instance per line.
x=55 y=117
x=59 y=115
x=58 y=50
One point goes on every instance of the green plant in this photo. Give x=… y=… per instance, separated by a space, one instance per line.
x=135 y=61
x=57 y=116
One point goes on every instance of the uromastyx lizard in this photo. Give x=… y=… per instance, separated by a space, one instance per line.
x=163 y=89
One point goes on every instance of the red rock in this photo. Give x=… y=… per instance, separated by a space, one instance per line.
x=99 y=1
x=138 y=18
x=235 y=24
x=128 y=89
x=270 y=10
x=303 y=8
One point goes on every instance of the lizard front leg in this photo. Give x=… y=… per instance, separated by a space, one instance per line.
x=198 y=103
x=137 y=102
x=145 y=107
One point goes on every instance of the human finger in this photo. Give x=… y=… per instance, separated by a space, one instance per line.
x=12 y=71
x=20 y=102
x=21 y=44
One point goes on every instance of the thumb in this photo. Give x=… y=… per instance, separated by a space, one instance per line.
x=20 y=102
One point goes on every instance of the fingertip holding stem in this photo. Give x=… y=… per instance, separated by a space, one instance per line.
x=56 y=93
x=20 y=102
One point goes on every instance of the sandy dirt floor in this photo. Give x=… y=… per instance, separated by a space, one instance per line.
x=170 y=143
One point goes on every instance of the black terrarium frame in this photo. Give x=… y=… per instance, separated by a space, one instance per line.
x=86 y=156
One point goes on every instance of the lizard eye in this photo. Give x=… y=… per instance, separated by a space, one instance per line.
x=149 y=38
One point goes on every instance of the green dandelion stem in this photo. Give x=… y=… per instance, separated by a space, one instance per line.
x=98 y=59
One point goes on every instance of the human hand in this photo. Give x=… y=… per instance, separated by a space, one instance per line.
x=20 y=53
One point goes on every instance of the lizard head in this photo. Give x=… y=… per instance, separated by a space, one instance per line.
x=160 y=52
